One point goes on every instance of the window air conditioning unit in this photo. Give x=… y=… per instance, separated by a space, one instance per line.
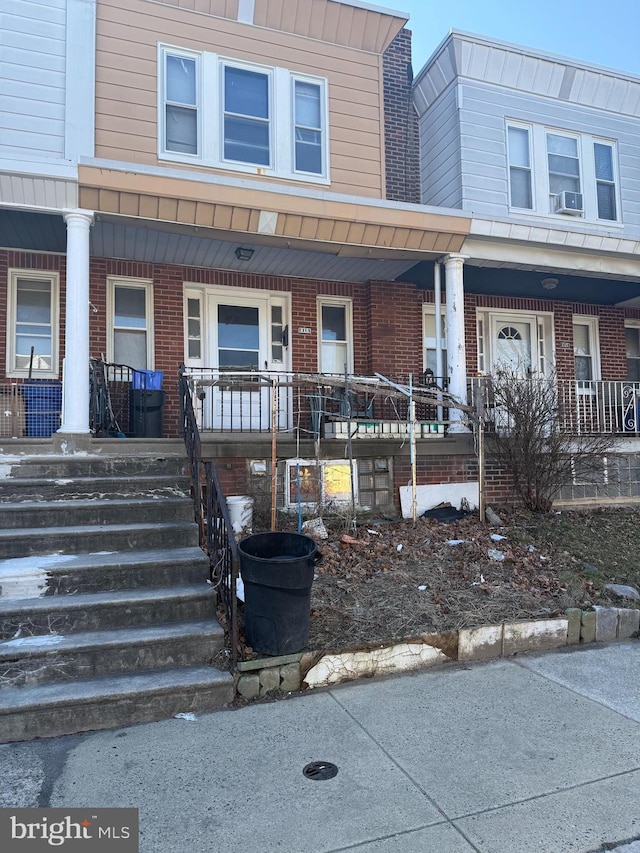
x=568 y=202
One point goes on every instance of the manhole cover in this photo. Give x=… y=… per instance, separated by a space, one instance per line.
x=320 y=770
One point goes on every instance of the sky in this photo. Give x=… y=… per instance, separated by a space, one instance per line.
x=602 y=32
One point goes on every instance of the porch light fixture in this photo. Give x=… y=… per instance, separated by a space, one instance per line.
x=549 y=283
x=243 y=254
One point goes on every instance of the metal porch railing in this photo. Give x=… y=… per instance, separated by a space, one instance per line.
x=212 y=516
x=582 y=407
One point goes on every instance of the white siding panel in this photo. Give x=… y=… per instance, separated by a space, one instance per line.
x=440 y=153
x=38 y=192
x=32 y=66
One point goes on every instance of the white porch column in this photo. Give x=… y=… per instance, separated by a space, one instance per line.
x=75 y=414
x=456 y=355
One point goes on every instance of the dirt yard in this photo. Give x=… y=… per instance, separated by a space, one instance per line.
x=389 y=580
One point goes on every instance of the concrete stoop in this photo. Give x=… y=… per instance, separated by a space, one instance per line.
x=106 y=616
x=261 y=677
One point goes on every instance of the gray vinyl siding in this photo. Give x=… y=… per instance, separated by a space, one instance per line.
x=484 y=110
x=440 y=165
x=32 y=71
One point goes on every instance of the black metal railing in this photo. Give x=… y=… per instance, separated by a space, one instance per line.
x=212 y=516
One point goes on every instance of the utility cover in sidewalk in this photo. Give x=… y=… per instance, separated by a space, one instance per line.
x=320 y=770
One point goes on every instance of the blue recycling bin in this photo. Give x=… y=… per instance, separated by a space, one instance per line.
x=147 y=380
x=43 y=402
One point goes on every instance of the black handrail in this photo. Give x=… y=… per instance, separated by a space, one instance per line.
x=212 y=514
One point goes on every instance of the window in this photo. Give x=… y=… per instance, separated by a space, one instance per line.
x=246 y=116
x=181 y=104
x=520 y=168
x=307 y=129
x=32 y=325
x=543 y=163
x=222 y=113
x=563 y=163
x=632 y=339
x=130 y=323
x=323 y=482
x=605 y=181
x=193 y=329
x=429 y=334
x=335 y=348
x=585 y=348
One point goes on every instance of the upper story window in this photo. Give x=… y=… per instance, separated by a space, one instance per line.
x=562 y=173
x=240 y=116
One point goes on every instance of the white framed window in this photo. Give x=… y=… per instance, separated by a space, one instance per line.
x=180 y=102
x=130 y=322
x=194 y=343
x=33 y=310
x=586 y=348
x=246 y=115
x=553 y=172
x=632 y=341
x=216 y=111
x=429 y=340
x=519 y=148
x=335 y=335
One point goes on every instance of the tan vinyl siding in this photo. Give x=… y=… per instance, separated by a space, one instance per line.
x=126 y=84
x=219 y=8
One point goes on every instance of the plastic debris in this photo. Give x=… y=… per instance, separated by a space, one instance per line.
x=531 y=548
x=315 y=528
x=497 y=537
x=240 y=589
x=374 y=532
x=496 y=555
x=349 y=540
x=398 y=548
x=186 y=716
x=422 y=588
x=456 y=541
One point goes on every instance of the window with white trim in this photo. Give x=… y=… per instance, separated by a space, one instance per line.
x=429 y=339
x=130 y=322
x=220 y=112
x=586 y=353
x=632 y=340
x=554 y=172
x=32 y=324
x=335 y=337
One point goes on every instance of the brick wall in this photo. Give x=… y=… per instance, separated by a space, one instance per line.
x=401 y=122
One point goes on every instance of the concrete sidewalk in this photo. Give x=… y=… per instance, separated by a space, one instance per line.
x=535 y=754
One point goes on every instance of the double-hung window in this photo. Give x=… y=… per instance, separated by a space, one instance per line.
x=335 y=337
x=247 y=115
x=632 y=339
x=520 y=167
x=586 y=353
x=32 y=327
x=130 y=339
x=558 y=173
x=220 y=112
x=181 y=103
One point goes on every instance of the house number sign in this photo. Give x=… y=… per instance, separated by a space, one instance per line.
x=304 y=330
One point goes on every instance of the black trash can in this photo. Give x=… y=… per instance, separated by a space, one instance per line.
x=277 y=571
x=145 y=413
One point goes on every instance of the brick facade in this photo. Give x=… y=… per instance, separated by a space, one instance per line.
x=402 y=157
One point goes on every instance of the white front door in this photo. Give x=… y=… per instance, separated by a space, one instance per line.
x=514 y=343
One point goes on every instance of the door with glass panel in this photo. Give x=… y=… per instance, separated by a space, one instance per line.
x=249 y=349
x=514 y=345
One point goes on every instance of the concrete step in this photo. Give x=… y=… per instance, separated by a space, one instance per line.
x=51 y=710
x=55 y=466
x=66 y=614
x=95 y=512
x=47 y=658
x=14 y=489
x=70 y=574
x=89 y=539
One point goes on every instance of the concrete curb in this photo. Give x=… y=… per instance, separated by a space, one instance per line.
x=289 y=673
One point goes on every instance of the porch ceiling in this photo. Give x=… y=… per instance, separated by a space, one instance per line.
x=513 y=280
